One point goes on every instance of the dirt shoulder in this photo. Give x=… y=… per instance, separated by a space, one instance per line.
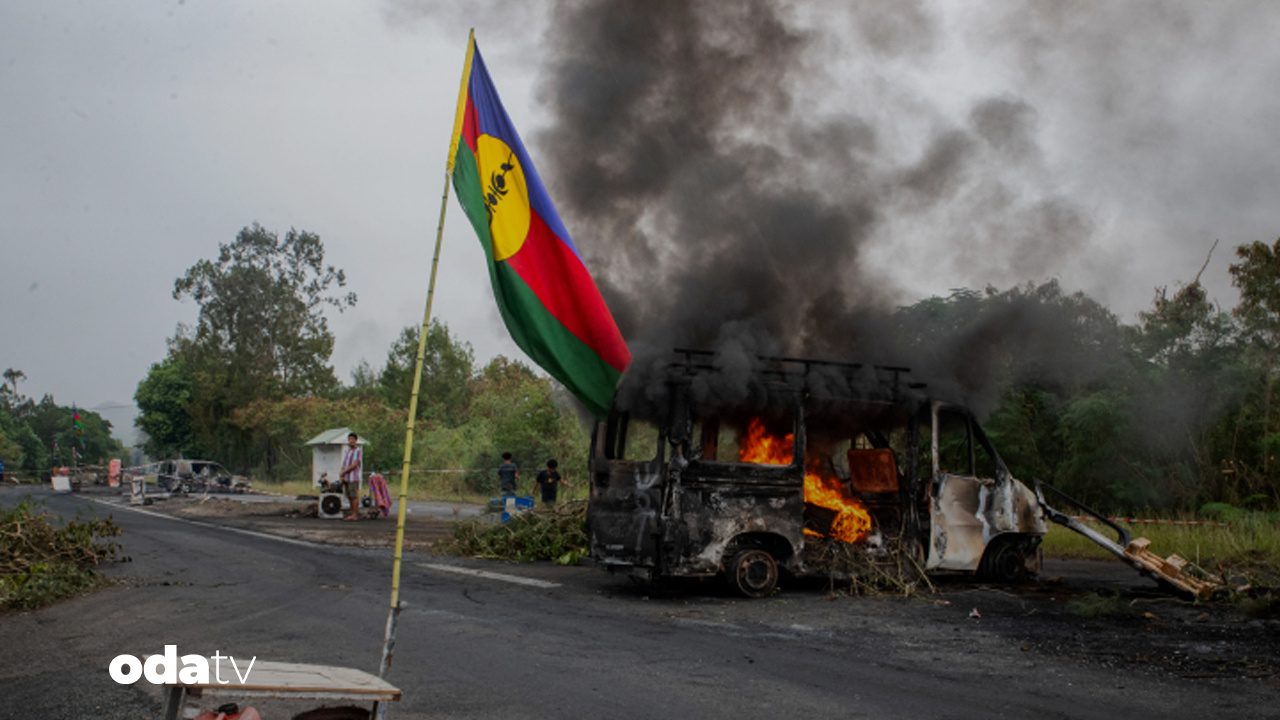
x=298 y=519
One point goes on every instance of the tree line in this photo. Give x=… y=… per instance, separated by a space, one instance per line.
x=1172 y=413
x=1168 y=413
x=38 y=435
x=251 y=383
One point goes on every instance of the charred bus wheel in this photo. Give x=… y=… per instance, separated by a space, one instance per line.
x=1010 y=559
x=753 y=572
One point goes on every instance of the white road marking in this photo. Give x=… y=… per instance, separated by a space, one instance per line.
x=501 y=577
x=490 y=575
x=251 y=533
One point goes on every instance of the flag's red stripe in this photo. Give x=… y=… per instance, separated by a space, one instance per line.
x=470 y=124
x=558 y=278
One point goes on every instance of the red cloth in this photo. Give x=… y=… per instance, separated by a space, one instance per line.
x=381 y=496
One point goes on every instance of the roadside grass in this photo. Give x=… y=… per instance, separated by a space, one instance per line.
x=42 y=561
x=1249 y=546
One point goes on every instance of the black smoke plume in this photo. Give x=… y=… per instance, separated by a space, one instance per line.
x=722 y=205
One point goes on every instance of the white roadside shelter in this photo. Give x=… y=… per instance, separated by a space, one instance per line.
x=326 y=454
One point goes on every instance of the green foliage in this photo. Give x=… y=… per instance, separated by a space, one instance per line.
x=520 y=415
x=447 y=367
x=1248 y=548
x=261 y=333
x=261 y=311
x=29 y=430
x=44 y=584
x=1169 y=414
x=1020 y=428
x=557 y=534
x=364 y=383
x=1221 y=512
x=280 y=427
x=1185 y=330
x=53 y=423
x=164 y=398
x=1092 y=429
x=1255 y=277
x=42 y=562
x=470 y=420
x=1034 y=334
x=20 y=447
x=11 y=378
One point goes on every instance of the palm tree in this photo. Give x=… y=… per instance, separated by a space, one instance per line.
x=12 y=377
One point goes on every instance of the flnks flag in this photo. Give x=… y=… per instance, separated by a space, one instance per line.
x=549 y=302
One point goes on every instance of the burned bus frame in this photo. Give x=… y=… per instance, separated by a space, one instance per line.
x=680 y=511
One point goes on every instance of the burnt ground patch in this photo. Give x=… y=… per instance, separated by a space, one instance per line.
x=1092 y=612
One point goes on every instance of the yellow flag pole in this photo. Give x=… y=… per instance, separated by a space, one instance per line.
x=388 y=646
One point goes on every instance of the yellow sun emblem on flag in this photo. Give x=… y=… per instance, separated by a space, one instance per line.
x=506 y=196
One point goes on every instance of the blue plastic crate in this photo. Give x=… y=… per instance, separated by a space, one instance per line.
x=513 y=505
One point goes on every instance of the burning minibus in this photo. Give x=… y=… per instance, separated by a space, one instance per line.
x=795 y=457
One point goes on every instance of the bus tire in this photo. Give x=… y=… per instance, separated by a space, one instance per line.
x=754 y=573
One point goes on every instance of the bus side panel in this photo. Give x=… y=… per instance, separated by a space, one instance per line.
x=712 y=516
x=625 y=507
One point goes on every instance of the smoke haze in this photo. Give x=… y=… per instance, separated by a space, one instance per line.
x=760 y=177
x=725 y=209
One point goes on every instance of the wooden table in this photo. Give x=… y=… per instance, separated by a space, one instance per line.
x=288 y=680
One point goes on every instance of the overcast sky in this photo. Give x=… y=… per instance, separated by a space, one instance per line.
x=137 y=136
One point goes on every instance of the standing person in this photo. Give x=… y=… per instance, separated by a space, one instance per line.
x=508 y=473
x=352 y=465
x=549 y=481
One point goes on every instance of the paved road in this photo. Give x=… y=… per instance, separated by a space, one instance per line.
x=580 y=645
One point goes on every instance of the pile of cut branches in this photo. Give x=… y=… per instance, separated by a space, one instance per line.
x=557 y=533
x=42 y=562
x=859 y=570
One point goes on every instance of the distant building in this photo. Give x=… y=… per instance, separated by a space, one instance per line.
x=326 y=454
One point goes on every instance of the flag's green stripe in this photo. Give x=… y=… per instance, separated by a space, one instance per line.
x=550 y=344
x=543 y=338
x=466 y=182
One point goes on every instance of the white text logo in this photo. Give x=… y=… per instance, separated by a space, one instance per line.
x=164 y=669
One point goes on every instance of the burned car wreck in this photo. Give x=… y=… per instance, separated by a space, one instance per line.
x=801 y=456
x=184 y=476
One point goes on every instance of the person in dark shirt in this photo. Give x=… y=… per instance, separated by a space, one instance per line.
x=508 y=473
x=549 y=481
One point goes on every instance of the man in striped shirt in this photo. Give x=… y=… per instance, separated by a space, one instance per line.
x=352 y=464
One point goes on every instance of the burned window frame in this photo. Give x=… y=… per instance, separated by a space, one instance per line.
x=688 y=414
x=616 y=437
x=975 y=437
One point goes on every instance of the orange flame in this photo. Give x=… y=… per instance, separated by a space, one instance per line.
x=852 y=521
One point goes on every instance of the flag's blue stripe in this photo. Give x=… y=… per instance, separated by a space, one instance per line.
x=493 y=120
